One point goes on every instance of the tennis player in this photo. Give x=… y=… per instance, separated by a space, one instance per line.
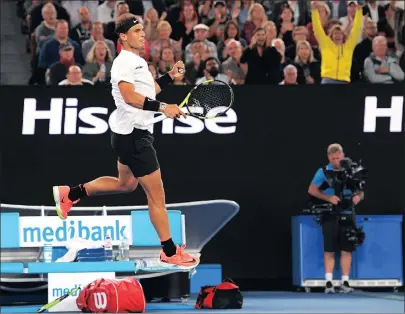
x=134 y=91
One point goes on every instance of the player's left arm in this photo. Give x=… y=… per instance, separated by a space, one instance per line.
x=177 y=71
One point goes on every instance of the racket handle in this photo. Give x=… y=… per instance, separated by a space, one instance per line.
x=155 y=120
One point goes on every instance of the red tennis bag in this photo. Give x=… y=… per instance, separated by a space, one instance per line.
x=112 y=296
x=226 y=295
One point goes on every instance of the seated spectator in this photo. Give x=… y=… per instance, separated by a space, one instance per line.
x=200 y=34
x=36 y=14
x=166 y=60
x=260 y=62
x=98 y=64
x=364 y=48
x=194 y=69
x=217 y=24
x=336 y=52
x=382 y=67
x=206 y=11
x=257 y=18
x=212 y=72
x=241 y=9
x=183 y=28
x=232 y=64
x=347 y=21
x=49 y=52
x=97 y=34
x=277 y=74
x=75 y=78
x=105 y=11
x=324 y=13
x=58 y=70
x=74 y=7
x=151 y=19
x=46 y=29
x=164 y=30
x=231 y=31
x=285 y=25
x=299 y=33
x=290 y=75
x=81 y=32
x=153 y=69
x=308 y=68
x=109 y=28
x=402 y=62
x=298 y=8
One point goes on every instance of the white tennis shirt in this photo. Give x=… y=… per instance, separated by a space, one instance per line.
x=133 y=69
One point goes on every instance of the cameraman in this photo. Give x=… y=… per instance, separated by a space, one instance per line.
x=334 y=225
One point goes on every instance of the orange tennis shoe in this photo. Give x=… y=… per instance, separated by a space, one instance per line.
x=62 y=201
x=181 y=258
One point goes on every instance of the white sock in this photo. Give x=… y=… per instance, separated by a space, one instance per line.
x=329 y=276
x=345 y=278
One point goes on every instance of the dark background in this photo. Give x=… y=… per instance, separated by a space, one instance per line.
x=281 y=138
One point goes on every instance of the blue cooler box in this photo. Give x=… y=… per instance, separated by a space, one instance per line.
x=91 y=255
x=377 y=262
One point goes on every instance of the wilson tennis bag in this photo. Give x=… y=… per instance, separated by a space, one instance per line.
x=112 y=296
x=226 y=295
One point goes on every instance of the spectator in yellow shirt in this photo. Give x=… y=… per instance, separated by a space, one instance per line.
x=337 y=53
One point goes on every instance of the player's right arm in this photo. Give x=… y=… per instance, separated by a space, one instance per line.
x=314 y=190
x=139 y=101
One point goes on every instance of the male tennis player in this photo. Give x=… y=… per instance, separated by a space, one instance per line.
x=134 y=91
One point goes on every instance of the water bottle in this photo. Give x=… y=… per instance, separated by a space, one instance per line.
x=124 y=249
x=47 y=253
x=108 y=247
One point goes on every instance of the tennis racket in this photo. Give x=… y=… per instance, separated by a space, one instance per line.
x=207 y=100
x=57 y=301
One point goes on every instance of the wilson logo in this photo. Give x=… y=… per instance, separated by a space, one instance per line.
x=100 y=300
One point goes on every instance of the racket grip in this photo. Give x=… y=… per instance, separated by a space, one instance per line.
x=155 y=120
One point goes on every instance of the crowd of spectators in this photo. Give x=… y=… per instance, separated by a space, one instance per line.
x=240 y=42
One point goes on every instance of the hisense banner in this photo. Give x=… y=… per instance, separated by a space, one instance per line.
x=263 y=155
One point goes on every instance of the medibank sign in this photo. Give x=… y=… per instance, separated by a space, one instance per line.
x=36 y=231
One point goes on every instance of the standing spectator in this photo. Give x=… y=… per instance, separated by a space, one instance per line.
x=36 y=14
x=58 y=70
x=232 y=64
x=151 y=19
x=338 y=8
x=47 y=27
x=98 y=64
x=231 y=31
x=364 y=48
x=183 y=28
x=290 y=75
x=381 y=67
x=200 y=34
x=106 y=11
x=97 y=34
x=257 y=18
x=336 y=53
x=217 y=24
x=374 y=10
x=81 y=31
x=259 y=61
x=164 y=30
x=324 y=13
x=75 y=77
x=212 y=72
x=73 y=8
x=347 y=21
x=49 y=53
x=285 y=25
x=308 y=68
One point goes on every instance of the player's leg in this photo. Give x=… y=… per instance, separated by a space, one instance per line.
x=65 y=196
x=153 y=187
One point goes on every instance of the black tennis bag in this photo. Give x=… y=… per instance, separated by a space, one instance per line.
x=226 y=295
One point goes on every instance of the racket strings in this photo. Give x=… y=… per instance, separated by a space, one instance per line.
x=207 y=97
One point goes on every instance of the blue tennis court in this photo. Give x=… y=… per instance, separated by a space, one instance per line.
x=282 y=302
